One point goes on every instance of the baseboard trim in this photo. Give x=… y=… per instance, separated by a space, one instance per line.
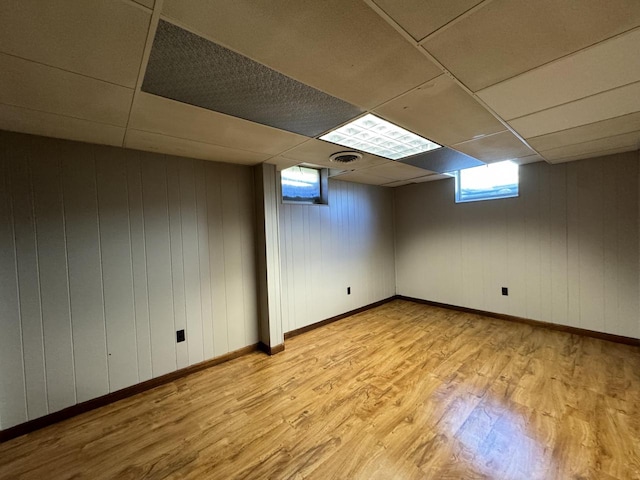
x=322 y=323
x=269 y=350
x=536 y=323
x=94 y=403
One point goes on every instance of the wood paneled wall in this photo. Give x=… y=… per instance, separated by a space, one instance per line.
x=567 y=247
x=105 y=253
x=326 y=248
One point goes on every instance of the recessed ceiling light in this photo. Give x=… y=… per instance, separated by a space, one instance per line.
x=374 y=135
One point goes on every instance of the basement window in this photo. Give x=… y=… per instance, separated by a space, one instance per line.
x=302 y=184
x=487 y=182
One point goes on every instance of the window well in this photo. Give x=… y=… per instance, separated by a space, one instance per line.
x=487 y=182
x=302 y=184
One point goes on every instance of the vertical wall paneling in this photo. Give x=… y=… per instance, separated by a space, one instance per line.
x=530 y=195
x=117 y=267
x=159 y=278
x=558 y=244
x=85 y=272
x=174 y=188
x=139 y=264
x=568 y=245
x=232 y=259
x=625 y=294
x=106 y=252
x=28 y=283
x=545 y=225
x=573 y=248
x=13 y=401
x=45 y=166
x=217 y=260
x=591 y=255
x=246 y=204
x=203 y=259
x=610 y=215
x=325 y=249
x=190 y=254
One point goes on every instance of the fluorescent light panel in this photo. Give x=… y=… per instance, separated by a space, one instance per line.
x=374 y=135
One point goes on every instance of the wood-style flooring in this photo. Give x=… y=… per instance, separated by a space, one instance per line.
x=402 y=391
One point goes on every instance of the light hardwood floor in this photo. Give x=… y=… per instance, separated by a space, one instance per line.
x=403 y=391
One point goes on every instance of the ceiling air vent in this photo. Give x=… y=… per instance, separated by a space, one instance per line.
x=345 y=157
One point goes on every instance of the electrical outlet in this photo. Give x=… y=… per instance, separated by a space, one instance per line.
x=180 y=336
x=348 y=290
x=505 y=291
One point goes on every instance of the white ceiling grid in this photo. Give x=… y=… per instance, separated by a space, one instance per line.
x=494 y=79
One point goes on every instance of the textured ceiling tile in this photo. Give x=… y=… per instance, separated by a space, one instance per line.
x=341 y=47
x=441 y=111
x=603 y=106
x=424 y=179
x=495 y=148
x=153 y=142
x=630 y=140
x=193 y=70
x=102 y=39
x=585 y=133
x=17 y=119
x=423 y=17
x=38 y=87
x=157 y=114
x=442 y=160
x=608 y=65
x=508 y=37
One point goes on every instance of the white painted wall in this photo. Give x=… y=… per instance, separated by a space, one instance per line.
x=104 y=254
x=325 y=249
x=567 y=248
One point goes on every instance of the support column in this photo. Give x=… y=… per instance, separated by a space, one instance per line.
x=268 y=258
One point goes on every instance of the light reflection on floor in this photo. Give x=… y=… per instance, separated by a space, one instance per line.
x=497 y=437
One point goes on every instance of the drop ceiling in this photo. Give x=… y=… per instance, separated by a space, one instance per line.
x=495 y=79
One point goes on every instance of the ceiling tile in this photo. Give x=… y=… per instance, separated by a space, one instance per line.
x=146 y=3
x=426 y=178
x=441 y=111
x=528 y=159
x=397 y=171
x=317 y=152
x=593 y=131
x=602 y=153
x=102 y=39
x=351 y=45
x=591 y=148
x=509 y=37
x=38 y=87
x=281 y=162
x=606 y=105
x=608 y=65
x=17 y=119
x=359 y=176
x=442 y=160
x=160 y=115
x=422 y=17
x=191 y=69
x=154 y=142
x=495 y=148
